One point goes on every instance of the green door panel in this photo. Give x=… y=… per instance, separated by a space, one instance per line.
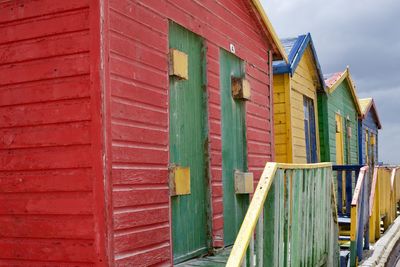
x=188 y=142
x=233 y=146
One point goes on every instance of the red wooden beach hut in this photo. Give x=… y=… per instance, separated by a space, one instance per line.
x=106 y=105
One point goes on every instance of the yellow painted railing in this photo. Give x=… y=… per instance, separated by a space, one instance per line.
x=385 y=195
x=293 y=217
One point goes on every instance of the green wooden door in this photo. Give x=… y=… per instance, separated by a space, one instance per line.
x=233 y=146
x=188 y=141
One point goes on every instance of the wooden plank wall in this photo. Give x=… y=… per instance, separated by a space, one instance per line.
x=50 y=157
x=303 y=84
x=368 y=123
x=282 y=120
x=139 y=113
x=341 y=99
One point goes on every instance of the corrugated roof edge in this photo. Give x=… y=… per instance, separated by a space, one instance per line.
x=270 y=28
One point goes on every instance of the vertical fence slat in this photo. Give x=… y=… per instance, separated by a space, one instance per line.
x=280 y=224
x=339 y=192
x=349 y=190
x=270 y=250
x=259 y=240
x=296 y=226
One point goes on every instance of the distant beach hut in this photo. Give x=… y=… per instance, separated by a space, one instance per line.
x=339 y=111
x=368 y=127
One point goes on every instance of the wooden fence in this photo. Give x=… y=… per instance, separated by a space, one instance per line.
x=359 y=218
x=384 y=198
x=293 y=218
x=352 y=191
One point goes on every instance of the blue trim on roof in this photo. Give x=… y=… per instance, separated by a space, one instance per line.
x=297 y=52
x=295 y=48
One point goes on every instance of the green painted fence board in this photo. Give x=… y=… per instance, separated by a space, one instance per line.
x=299 y=228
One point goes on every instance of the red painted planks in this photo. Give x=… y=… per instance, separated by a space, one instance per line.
x=132 y=197
x=45 y=113
x=64 y=180
x=129 y=240
x=46 y=203
x=159 y=254
x=140 y=176
x=139 y=135
x=136 y=31
x=46 y=134
x=77 y=156
x=28 y=29
x=139 y=92
x=45 y=69
x=47 y=226
x=141 y=14
x=47 y=249
x=75 y=133
x=143 y=216
x=138 y=114
x=14 y=10
x=139 y=85
x=138 y=72
x=45 y=91
x=147 y=155
x=45 y=47
x=23 y=263
x=139 y=53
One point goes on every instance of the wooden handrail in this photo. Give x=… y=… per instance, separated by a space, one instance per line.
x=253 y=213
x=360 y=183
x=385 y=193
x=256 y=207
x=358 y=217
x=373 y=187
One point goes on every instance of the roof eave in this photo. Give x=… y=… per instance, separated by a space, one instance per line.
x=281 y=69
x=346 y=75
x=267 y=23
x=299 y=50
x=372 y=104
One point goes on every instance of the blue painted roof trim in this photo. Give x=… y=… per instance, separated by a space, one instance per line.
x=295 y=54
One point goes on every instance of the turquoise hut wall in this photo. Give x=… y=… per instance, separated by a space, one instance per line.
x=342 y=101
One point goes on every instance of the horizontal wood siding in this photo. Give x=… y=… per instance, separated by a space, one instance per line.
x=304 y=83
x=341 y=101
x=281 y=118
x=139 y=113
x=47 y=148
x=323 y=124
x=368 y=123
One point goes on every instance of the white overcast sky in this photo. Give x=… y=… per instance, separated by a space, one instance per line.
x=364 y=34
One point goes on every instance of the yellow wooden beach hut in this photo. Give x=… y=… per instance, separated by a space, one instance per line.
x=296 y=85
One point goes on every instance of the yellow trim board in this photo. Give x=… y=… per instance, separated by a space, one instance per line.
x=270 y=28
x=304 y=166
